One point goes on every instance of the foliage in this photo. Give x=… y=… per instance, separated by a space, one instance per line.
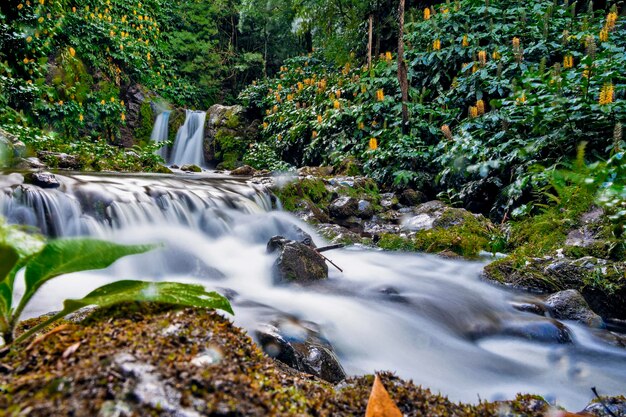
x=496 y=88
x=44 y=262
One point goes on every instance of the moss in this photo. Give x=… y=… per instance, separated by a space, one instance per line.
x=229 y=149
x=462 y=234
x=48 y=380
x=294 y=195
x=232 y=120
x=143 y=132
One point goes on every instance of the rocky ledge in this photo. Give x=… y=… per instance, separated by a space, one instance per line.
x=154 y=360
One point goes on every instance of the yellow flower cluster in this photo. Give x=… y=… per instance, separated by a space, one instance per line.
x=426 y=13
x=319 y=118
x=611 y=19
x=380 y=95
x=373 y=144
x=482 y=58
x=314 y=134
x=436 y=45
x=465 y=42
x=606 y=94
x=473 y=111
x=336 y=104
x=568 y=61
x=604 y=35
x=480 y=107
x=496 y=55
x=521 y=99
x=388 y=57
x=516 y=44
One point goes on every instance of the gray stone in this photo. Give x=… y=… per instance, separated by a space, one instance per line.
x=243 y=171
x=570 y=305
x=365 y=209
x=191 y=168
x=296 y=262
x=344 y=207
x=59 y=160
x=410 y=197
x=42 y=179
x=30 y=163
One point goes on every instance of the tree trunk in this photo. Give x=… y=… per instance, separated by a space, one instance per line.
x=402 y=71
x=369 y=42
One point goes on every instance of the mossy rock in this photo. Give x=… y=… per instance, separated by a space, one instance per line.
x=154 y=360
x=601 y=282
x=293 y=196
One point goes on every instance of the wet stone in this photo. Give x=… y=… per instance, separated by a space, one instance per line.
x=570 y=305
x=344 y=207
x=42 y=180
x=296 y=262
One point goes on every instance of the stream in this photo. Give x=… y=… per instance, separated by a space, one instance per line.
x=426 y=318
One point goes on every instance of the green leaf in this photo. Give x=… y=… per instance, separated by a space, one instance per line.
x=186 y=295
x=8 y=259
x=65 y=256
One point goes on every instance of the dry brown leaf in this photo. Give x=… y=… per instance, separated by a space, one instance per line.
x=380 y=403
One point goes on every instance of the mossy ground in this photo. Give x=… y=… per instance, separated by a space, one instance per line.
x=74 y=372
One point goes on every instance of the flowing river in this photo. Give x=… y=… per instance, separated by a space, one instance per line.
x=429 y=319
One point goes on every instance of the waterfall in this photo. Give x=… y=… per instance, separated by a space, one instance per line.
x=160 y=132
x=188 y=147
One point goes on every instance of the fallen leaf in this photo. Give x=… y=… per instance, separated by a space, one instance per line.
x=70 y=350
x=379 y=403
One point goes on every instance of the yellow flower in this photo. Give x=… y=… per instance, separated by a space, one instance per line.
x=72 y=51
x=29 y=39
x=314 y=134
x=445 y=129
x=568 y=61
x=516 y=44
x=265 y=125
x=60 y=102
x=275 y=108
x=482 y=58
x=521 y=99
x=496 y=55
x=436 y=45
x=20 y=6
x=112 y=99
x=604 y=34
x=122 y=47
x=361 y=125
x=319 y=118
x=122 y=102
x=41 y=19
x=426 y=13
x=336 y=104
x=380 y=95
x=465 y=42
x=388 y=56
x=611 y=18
x=123 y=117
x=606 y=94
x=102 y=102
x=25 y=61
x=480 y=107
x=81 y=117
x=473 y=111
x=279 y=137
x=373 y=144
x=300 y=86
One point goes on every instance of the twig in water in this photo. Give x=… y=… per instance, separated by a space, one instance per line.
x=606 y=407
x=329 y=261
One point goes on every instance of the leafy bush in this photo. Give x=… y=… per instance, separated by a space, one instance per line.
x=495 y=89
x=43 y=262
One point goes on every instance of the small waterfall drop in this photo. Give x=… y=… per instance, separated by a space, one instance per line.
x=160 y=132
x=188 y=145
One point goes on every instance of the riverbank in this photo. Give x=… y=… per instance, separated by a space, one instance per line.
x=153 y=360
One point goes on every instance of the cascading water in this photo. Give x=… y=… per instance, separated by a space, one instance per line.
x=160 y=132
x=426 y=318
x=188 y=148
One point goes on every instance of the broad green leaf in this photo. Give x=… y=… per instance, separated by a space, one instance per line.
x=65 y=256
x=187 y=295
x=8 y=259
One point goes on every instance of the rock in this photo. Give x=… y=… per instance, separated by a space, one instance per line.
x=389 y=201
x=175 y=166
x=19 y=149
x=323 y=171
x=616 y=405
x=570 y=305
x=410 y=197
x=344 y=207
x=606 y=295
x=479 y=196
x=191 y=168
x=42 y=179
x=134 y=98
x=226 y=122
x=338 y=234
x=30 y=163
x=543 y=330
x=528 y=306
x=448 y=254
x=296 y=262
x=59 y=160
x=365 y=209
x=243 y=171
x=301 y=347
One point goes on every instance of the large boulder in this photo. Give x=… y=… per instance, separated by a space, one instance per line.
x=60 y=160
x=296 y=262
x=134 y=99
x=42 y=179
x=344 y=207
x=570 y=305
x=228 y=133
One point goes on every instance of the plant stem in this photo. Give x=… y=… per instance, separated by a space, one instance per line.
x=24 y=336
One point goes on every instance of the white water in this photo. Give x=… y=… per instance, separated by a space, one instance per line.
x=160 y=132
x=215 y=232
x=189 y=140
